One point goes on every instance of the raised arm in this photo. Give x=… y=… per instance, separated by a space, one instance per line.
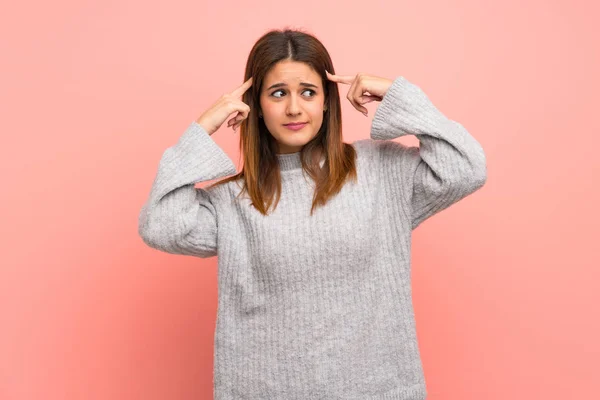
x=449 y=164
x=177 y=217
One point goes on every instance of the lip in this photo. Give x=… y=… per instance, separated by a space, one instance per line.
x=295 y=126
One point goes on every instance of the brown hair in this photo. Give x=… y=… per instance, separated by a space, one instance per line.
x=260 y=173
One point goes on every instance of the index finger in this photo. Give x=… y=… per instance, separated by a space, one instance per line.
x=242 y=89
x=340 y=78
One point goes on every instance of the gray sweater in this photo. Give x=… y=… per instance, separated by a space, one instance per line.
x=317 y=307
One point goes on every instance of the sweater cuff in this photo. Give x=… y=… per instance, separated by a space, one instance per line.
x=404 y=110
x=198 y=157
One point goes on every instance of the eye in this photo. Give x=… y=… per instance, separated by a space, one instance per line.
x=307 y=90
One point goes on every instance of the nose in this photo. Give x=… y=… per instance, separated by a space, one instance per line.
x=293 y=108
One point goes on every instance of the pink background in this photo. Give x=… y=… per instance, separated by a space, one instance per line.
x=506 y=282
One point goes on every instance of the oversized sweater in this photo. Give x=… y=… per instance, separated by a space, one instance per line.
x=317 y=307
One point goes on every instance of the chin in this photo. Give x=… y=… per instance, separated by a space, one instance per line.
x=299 y=141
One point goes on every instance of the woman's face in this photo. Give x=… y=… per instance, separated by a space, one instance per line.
x=292 y=92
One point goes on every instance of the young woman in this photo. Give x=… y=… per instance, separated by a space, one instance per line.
x=313 y=235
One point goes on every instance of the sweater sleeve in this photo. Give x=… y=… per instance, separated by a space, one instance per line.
x=448 y=165
x=178 y=218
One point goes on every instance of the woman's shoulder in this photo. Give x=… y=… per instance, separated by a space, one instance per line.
x=364 y=145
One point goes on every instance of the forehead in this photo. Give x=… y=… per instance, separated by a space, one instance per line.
x=292 y=73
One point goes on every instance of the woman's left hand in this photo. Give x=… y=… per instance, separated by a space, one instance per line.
x=363 y=88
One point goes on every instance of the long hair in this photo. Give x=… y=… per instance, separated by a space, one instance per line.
x=260 y=173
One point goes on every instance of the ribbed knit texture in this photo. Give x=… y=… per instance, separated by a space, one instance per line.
x=317 y=307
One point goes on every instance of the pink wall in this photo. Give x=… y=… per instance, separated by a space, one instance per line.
x=506 y=282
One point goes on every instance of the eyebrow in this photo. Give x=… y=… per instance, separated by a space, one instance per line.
x=281 y=84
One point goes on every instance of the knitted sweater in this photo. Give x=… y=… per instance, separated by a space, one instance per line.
x=317 y=307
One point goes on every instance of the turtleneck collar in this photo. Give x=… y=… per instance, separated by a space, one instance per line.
x=292 y=161
x=289 y=161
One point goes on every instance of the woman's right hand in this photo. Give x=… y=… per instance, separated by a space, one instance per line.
x=212 y=119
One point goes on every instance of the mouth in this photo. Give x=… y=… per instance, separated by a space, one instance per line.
x=295 y=125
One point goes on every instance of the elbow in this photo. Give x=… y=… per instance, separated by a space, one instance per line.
x=478 y=171
x=149 y=238
x=157 y=237
x=474 y=173
x=480 y=178
x=192 y=243
x=157 y=241
x=148 y=231
x=476 y=182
